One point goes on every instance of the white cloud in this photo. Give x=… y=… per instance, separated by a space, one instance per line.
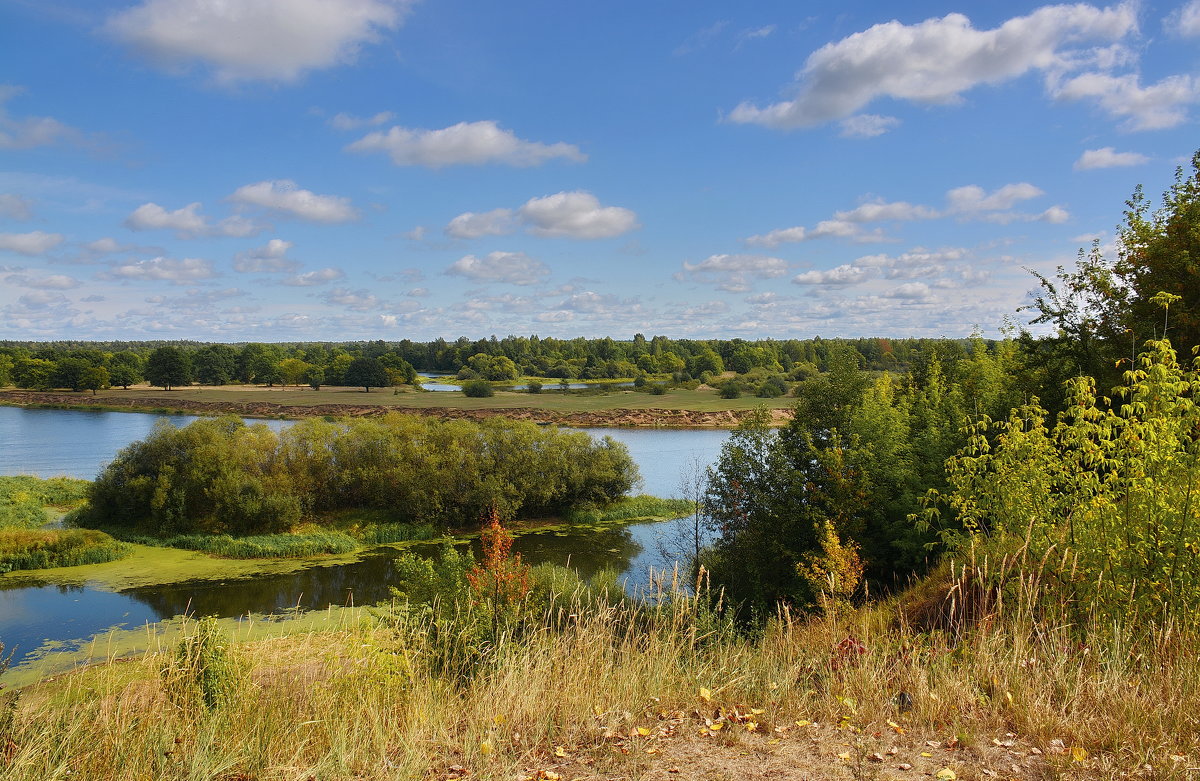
x=160 y=269
x=14 y=207
x=32 y=243
x=312 y=278
x=882 y=211
x=973 y=199
x=268 y=259
x=470 y=225
x=577 y=215
x=514 y=268
x=844 y=274
x=934 y=61
x=909 y=290
x=467 y=143
x=275 y=40
x=1185 y=21
x=1155 y=107
x=867 y=125
x=836 y=228
x=351 y=122
x=1107 y=157
x=282 y=195
x=357 y=300
x=753 y=34
x=49 y=282
x=30 y=132
x=416 y=234
x=188 y=222
x=1055 y=215
x=734 y=272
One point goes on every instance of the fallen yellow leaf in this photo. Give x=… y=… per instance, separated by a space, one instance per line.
x=757 y=711
x=560 y=752
x=946 y=774
x=1078 y=753
x=651 y=751
x=751 y=726
x=705 y=695
x=803 y=723
x=717 y=726
x=498 y=719
x=897 y=727
x=926 y=754
x=643 y=731
x=485 y=748
x=844 y=756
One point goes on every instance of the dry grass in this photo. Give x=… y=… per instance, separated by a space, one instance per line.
x=635 y=692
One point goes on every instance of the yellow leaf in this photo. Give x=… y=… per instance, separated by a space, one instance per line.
x=717 y=726
x=897 y=727
x=498 y=719
x=757 y=711
x=705 y=695
x=550 y=775
x=1008 y=696
x=485 y=748
x=560 y=752
x=946 y=774
x=803 y=723
x=1078 y=753
x=844 y=756
x=926 y=754
x=751 y=726
x=651 y=751
x=643 y=731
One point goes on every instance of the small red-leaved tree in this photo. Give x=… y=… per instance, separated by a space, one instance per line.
x=499 y=576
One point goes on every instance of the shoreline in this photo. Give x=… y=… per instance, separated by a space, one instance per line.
x=617 y=418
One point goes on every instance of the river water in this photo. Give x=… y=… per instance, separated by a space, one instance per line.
x=35 y=613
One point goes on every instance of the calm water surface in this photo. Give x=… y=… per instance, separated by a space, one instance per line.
x=79 y=444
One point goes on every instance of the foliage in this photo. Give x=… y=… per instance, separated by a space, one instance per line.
x=220 y=476
x=1102 y=506
x=24 y=498
x=367 y=372
x=47 y=548
x=478 y=389
x=201 y=671
x=498 y=577
x=168 y=367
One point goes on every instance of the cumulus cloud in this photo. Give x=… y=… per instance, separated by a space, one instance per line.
x=973 y=199
x=935 y=61
x=273 y=40
x=837 y=228
x=469 y=225
x=867 y=125
x=734 y=272
x=321 y=276
x=361 y=300
x=32 y=243
x=178 y=271
x=283 y=195
x=844 y=274
x=577 y=215
x=1185 y=21
x=514 y=268
x=467 y=143
x=14 y=207
x=268 y=259
x=188 y=222
x=1107 y=157
x=1154 y=107
x=416 y=234
x=909 y=290
x=49 y=282
x=882 y=211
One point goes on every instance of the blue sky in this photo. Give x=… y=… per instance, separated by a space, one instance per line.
x=285 y=170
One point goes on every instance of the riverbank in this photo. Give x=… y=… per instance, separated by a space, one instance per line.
x=678 y=408
x=617 y=691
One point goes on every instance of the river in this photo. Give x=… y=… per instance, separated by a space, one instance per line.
x=35 y=613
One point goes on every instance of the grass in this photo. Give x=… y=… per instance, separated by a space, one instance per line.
x=24 y=499
x=25 y=549
x=633 y=508
x=608 y=690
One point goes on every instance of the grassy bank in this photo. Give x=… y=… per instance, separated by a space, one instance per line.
x=28 y=503
x=594 y=689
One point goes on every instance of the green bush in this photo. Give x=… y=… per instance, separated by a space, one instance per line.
x=47 y=548
x=730 y=389
x=534 y=387
x=478 y=389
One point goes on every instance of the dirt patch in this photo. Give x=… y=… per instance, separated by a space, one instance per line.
x=639 y=418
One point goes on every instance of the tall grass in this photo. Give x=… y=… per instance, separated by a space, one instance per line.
x=630 y=508
x=46 y=548
x=23 y=498
x=375 y=699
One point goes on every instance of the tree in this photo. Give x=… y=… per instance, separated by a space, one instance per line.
x=125 y=369
x=68 y=373
x=168 y=367
x=94 y=378
x=293 y=370
x=367 y=372
x=214 y=364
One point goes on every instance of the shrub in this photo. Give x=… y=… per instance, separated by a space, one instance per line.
x=730 y=389
x=478 y=389
x=658 y=389
x=534 y=387
x=772 y=388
